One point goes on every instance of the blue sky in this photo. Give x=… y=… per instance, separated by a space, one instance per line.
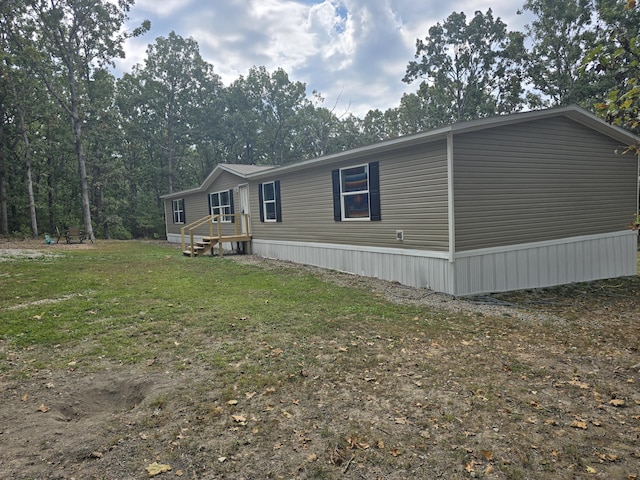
x=353 y=52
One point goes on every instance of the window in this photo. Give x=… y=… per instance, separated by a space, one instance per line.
x=356 y=193
x=269 y=199
x=178 y=210
x=221 y=203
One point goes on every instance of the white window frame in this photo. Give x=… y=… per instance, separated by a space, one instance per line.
x=344 y=195
x=273 y=202
x=177 y=206
x=223 y=209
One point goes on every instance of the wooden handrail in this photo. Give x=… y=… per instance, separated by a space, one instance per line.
x=218 y=220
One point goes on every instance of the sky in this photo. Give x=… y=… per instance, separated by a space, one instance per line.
x=353 y=52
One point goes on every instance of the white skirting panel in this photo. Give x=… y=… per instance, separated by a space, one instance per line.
x=409 y=267
x=499 y=269
x=544 y=264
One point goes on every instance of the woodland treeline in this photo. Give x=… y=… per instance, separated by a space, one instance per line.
x=79 y=146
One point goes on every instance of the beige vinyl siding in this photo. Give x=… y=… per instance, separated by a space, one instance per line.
x=196 y=204
x=413 y=198
x=539 y=180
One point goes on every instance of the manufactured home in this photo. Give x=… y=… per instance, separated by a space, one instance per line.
x=519 y=201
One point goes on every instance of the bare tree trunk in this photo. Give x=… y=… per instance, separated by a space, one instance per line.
x=4 y=221
x=170 y=146
x=76 y=125
x=27 y=156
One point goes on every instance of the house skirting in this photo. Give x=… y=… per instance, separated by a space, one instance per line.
x=544 y=264
x=427 y=269
x=513 y=267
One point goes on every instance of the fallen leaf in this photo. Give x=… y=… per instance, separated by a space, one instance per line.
x=217 y=410
x=591 y=470
x=96 y=454
x=312 y=457
x=277 y=352
x=232 y=402
x=488 y=470
x=222 y=459
x=380 y=444
x=579 y=384
x=179 y=473
x=617 y=402
x=579 y=424
x=487 y=454
x=249 y=394
x=395 y=452
x=402 y=421
x=43 y=408
x=608 y=457
x=25 y=397
x=239 y=418
x=157 y=468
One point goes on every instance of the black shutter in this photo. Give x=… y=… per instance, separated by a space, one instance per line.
x=260 y=200
x=209 y=199
x=276 y=188
x=374 y=192
x=337 y=210
x=233 y=219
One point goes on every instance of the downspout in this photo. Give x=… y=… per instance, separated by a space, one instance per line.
x=451 y=216
x=450 y=200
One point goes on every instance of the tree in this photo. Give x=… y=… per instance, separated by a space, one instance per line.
x=73 y=37
x=472 y=69
x=618 y=55
x=264 y=117
x=172 y=82
x=560 y=34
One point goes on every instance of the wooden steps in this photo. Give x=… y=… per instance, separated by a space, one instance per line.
x=236 y=224
x=207 y=244
x=202 y=247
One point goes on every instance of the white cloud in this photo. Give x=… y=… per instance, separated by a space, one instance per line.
x=351 y=51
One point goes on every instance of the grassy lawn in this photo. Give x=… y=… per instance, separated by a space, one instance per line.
x=122 y=354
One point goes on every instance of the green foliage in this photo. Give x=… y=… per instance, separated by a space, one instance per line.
x=560 y=34
x=468 y=70
x=618 y=55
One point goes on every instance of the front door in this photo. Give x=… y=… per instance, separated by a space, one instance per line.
x=244 y=205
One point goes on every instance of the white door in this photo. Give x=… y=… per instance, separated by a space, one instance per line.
x=244 y=205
